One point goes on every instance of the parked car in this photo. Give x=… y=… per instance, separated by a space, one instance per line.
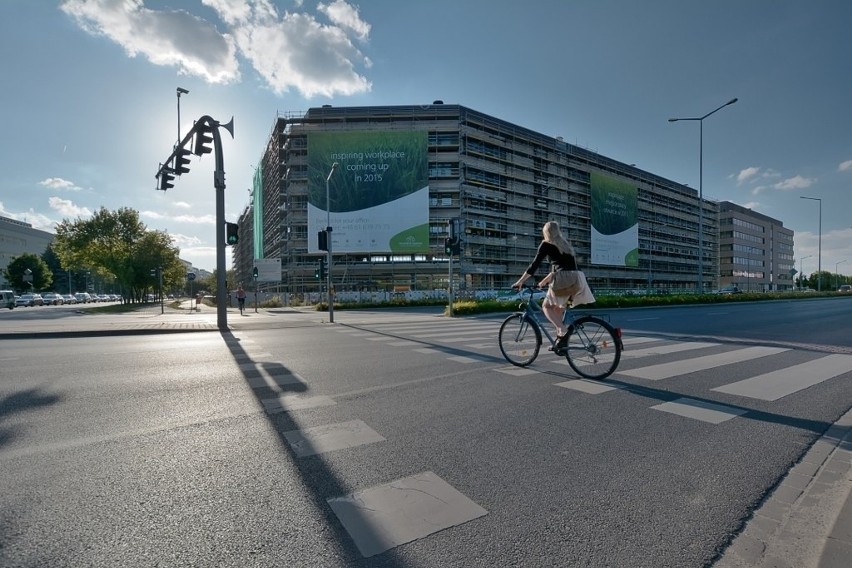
x=83 y=297
x=7 y=299
x=53 y=299
x=845 y=288
x=729 y=290
x=70 y=298
x=29 y=300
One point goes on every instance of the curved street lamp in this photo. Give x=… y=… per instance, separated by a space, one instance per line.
x=700 y=120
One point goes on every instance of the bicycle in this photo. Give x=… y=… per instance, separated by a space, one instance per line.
x=592 y=346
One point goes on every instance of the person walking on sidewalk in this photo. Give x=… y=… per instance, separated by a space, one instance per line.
x=241 y=298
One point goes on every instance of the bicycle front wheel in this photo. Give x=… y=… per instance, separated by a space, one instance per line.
x=520 y=340
x=593 y=348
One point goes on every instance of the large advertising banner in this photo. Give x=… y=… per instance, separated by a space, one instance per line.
x=615 y=224
x=378 y=194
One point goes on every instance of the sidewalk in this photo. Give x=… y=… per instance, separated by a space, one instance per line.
x=805 y=522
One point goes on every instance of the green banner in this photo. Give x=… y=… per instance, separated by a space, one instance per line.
x=378 y=193
x=615 y=226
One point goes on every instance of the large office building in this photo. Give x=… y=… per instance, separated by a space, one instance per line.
x=17 y=238
x=755 y=251
x=390 y=181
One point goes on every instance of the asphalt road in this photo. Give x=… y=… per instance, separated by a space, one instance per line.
x=404 y=440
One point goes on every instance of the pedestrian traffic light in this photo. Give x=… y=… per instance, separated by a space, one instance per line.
x=182 y=161
x=232 y=236
x=322 y=239
x=167 y=178
x=448 y=246
x=203 y=138
x=254 y=273
x=319 y=273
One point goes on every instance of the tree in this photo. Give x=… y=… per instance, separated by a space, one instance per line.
x=42 y=278
x=118 y=245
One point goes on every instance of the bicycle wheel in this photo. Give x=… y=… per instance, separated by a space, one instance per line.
x=593 y=348
x=520 y=340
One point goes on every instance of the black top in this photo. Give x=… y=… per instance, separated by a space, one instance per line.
x=558 y=260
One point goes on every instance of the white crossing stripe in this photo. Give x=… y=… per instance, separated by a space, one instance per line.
x=404 y=343
x=295 y=402
x=463 y=359
x=664 y=349
x=700 y=410
x=455 y=332
x=637 y=340
x=588 y=386
x=382 y=338
x=330 y=437
x=668 y=370
x=780 y=383
x=386 y=516
x=517 y=371
x=427 y=351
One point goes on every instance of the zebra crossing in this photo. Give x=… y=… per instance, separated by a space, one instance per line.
x=475 y=341
x=403 y=510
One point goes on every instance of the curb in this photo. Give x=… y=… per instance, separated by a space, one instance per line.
x=806 y=520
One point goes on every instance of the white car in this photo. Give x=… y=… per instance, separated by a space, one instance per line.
x=52 y=299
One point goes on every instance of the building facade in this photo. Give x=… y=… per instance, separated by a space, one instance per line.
x=17 y=238
x=501 y=182
x=755 y=251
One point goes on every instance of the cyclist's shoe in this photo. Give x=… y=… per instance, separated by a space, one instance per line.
x=561 y=343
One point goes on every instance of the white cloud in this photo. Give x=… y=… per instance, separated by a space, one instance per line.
x=845 y=166
x=59 y=184
x=191 y=219
x=795 y=182
x=182 y=205
x=345 y=16
x=164 y=37
x=746 y=174
x=758 y=189
x=289 y=51
x=184 y=240
x=67 y=208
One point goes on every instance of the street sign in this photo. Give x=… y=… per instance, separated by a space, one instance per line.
x=190 y=275
x=268 y=269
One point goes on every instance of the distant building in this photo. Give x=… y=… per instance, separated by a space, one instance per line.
x=499 y=183
x=17 y=238
x=755 y=251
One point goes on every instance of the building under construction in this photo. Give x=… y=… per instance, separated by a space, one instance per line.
x=390 y=180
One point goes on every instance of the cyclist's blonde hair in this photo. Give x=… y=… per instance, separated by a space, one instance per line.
x=553 y=235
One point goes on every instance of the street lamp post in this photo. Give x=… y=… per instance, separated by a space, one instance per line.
x=700 y=120
x=801 y=268
x=819 y=243
x=180 y=91
x=837 y=273
x=329 y=280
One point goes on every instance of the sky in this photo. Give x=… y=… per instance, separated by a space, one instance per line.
x=89 y=95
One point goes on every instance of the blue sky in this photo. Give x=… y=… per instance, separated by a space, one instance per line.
x=90 y=107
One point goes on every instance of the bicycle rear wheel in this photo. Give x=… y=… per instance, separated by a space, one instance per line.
x=519 y=339
x=593 y=348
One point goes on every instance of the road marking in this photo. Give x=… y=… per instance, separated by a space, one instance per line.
x=675 y=368
x=287 y=403
x=665 y=349
x=270 y=376
x=405 y=343
x=588 y=386
x=517 y=371
x=637 y=340
x=700 y=410
x=428 y=351
x=386 y=516
x=381 y=338
x=780 y=383
x=331 y=437
x=463 y=359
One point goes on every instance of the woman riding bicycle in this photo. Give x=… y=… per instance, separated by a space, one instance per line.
x=561 y=255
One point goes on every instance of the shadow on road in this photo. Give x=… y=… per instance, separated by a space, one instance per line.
x=22 y=402
x=315 y=473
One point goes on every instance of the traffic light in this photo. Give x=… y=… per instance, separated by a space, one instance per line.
x=167 y=178
x=203 y=138
x=319 y=273
x=452 y=246
x=232 y=235
x=254 y=273
x=182 y=161
x=448 y=246
x=322 y=239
